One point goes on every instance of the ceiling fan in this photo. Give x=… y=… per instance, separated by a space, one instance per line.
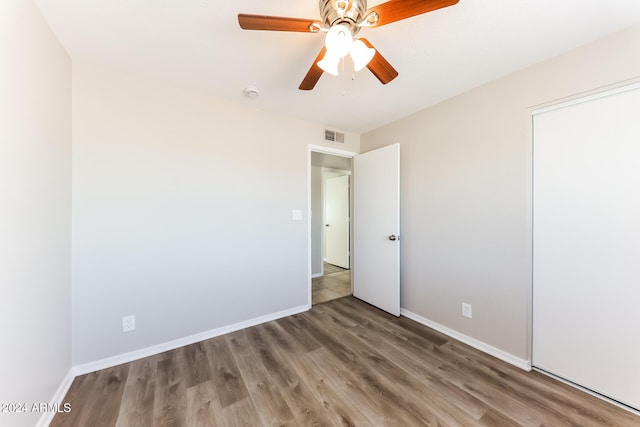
x=342 y=20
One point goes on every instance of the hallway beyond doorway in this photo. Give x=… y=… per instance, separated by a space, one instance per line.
x=335 y=283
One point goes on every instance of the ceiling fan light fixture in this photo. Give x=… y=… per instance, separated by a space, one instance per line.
x=342 y=20
x=361 y=54
x=338 y=40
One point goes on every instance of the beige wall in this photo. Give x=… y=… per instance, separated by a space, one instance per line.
x=466 y=191
x=182 y=212
x=35 y=210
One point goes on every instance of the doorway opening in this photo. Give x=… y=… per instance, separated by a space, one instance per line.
x=330 y=224
x=333 y=284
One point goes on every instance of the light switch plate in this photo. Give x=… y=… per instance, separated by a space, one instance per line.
x=296 y=215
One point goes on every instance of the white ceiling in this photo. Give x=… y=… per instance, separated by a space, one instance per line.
x=197 y=44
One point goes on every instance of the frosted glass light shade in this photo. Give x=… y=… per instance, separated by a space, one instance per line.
x=339 y=43
x=330 y=63
x=338 y=40
x=361 y=54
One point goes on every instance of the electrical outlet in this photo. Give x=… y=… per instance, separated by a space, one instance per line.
x=466 y=310
x=128 y=323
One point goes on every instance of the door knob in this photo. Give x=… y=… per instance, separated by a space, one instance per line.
x=393 y=237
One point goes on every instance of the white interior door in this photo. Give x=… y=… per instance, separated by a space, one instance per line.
x=586 y=220
x=336 y=227
x=376 y=228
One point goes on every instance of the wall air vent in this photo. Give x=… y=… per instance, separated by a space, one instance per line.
x=333 y=136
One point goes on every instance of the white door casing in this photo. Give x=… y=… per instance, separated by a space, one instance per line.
x=318 y=214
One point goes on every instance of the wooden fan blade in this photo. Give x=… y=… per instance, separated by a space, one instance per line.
x=274 y=23
x=314 y=73
x=379 y=66
x=396 y=10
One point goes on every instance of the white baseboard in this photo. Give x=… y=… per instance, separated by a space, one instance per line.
x=181 y=342
x=484 y=347
x=314 y=276
x=57 y=398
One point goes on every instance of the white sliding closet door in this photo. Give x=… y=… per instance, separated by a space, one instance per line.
x=586 y=240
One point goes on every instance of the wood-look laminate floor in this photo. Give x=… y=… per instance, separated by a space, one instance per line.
x=334 y=283
x=340 y=363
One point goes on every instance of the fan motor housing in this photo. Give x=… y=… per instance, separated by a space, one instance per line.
x=347 y=12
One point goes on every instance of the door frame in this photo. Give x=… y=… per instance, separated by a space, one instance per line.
x=311 y=148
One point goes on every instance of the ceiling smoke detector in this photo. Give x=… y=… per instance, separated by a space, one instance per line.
x=251 y=92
